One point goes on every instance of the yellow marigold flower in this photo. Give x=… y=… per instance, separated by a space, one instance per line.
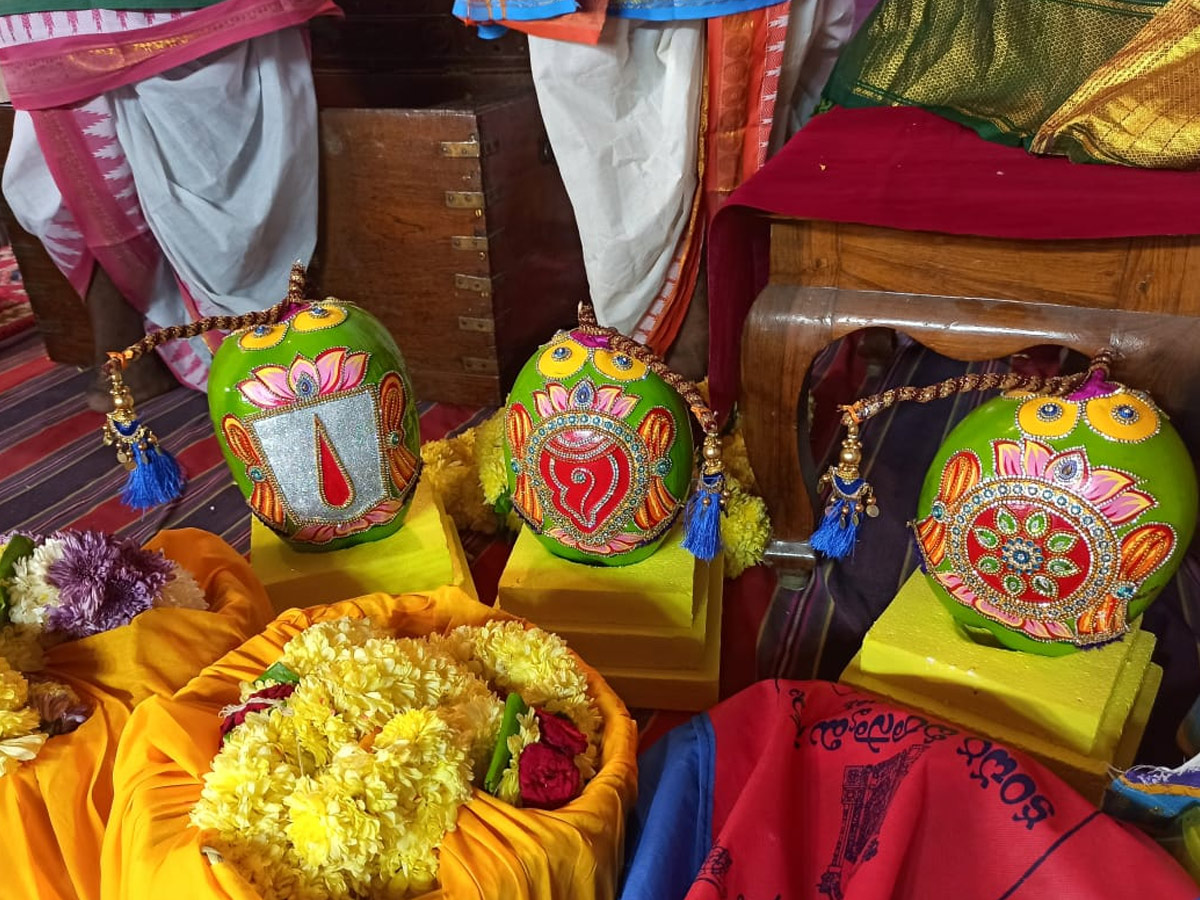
x=348 y=788
x=20 y=646
x=18 y=723
x=489 y=450
x=745 y=532
x=737 y=462
x=527 y=733
x=14 y=689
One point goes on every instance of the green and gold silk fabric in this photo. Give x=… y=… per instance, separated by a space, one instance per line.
x=1113 y=81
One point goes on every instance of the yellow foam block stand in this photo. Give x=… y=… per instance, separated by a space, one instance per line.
x=423 y=555
x=652 y=628
x=1079 y=714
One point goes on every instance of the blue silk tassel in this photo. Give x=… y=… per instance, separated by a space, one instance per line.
x=154 y=474
x=702 y=518
x=850 y=498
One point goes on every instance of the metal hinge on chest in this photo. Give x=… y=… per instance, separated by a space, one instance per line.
x=479 y=366
x=465 y=200
x=471 y=149
x=478 y=283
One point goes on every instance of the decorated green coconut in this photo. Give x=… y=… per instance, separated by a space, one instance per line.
x=1052 y=522
x=599 y=450
x=315 y=415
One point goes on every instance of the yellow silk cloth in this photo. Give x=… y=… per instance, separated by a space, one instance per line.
x=53 y=810
x=1142 y=107
x=497 y=852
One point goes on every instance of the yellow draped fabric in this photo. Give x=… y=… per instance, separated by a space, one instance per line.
x=497 y=852
x=54 y=809
x=1142 y=107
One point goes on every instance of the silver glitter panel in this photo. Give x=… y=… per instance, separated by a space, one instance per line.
x=289 y=444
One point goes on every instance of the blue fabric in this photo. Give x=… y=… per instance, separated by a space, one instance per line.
x=680 y=10
x=670 y=829
x=513 y=10
x=484 y=11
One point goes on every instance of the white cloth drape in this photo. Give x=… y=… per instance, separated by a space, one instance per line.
x=223 y=154
x=623 y=118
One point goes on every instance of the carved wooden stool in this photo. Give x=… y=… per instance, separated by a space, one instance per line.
x=967 y=298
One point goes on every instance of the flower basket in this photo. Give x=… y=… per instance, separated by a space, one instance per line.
x=55 y=807
x=495 y=851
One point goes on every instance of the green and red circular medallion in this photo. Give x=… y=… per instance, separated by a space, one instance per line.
x=1052 y=522
x=598 y=449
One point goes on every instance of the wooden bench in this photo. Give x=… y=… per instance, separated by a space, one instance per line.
x=967 y=298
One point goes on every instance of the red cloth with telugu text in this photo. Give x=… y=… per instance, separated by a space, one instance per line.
x=823 y=791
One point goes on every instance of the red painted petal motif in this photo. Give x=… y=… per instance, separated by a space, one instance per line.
x=264 y=499
x=1144 y=549
x=401 y=462
x=932 y=535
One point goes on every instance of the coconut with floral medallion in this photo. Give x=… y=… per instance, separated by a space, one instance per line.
x=1052 y=522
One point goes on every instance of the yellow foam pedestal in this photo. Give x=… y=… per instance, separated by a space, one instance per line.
x=424 y=554
x=653 y=628
x=1079 y=714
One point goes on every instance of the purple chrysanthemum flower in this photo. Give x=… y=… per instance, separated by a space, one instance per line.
x=103 y=583
x=88 y=559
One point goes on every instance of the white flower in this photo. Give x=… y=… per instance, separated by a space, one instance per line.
x=30 y=593
x=181 y=591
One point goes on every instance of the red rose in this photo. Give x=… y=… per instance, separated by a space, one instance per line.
x=259 y=700
x=548 y=778
x=561 y=734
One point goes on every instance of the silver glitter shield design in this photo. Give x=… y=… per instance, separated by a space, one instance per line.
x=288 y=442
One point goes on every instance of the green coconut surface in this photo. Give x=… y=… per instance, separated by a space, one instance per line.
x=359 y=332
x=1161 y=464
x=653 y=393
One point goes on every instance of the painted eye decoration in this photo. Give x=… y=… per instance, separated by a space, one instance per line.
x=562 y=359
x=619 y=366
x=318 y=317
x=1047 y=417
x=1122 y=416
x=262 y=337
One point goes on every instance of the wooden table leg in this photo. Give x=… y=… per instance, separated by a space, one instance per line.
x=779 y=344
x=789 y=325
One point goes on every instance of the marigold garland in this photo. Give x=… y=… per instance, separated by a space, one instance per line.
x=468 y=472
x=346 y=786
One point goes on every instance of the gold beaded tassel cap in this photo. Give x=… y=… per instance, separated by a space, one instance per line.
x=850 y=497
x=154 y=474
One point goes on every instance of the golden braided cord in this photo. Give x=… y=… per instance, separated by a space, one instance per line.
x=861 y=410
x=297 y=289
x=627 y=345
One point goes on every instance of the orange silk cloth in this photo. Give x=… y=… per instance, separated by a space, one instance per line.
x=497 y=852
x=54 y=809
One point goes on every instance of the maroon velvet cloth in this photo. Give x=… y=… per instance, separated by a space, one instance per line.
x=906 y=168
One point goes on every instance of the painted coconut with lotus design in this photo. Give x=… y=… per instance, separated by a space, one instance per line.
x=599 y=451
x=1053 y=522
x=316 y=418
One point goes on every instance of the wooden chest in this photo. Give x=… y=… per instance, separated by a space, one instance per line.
x=452 y=225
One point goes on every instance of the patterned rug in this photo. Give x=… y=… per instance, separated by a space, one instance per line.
x=15 y=312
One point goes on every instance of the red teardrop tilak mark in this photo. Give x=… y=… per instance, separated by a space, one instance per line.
x=334 y=485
